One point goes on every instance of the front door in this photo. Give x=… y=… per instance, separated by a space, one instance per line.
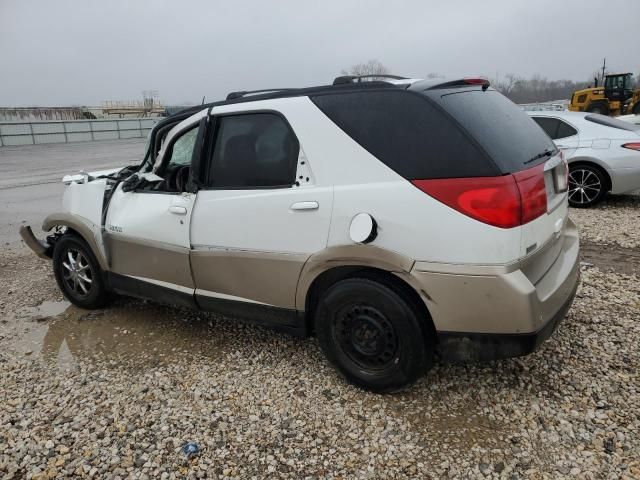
x=147 y=229
x=259 y=217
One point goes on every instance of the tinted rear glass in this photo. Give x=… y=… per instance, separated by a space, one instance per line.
x=408 y=133
x=503 y=129
x=611 y=122
x=565 y=130
x=549 y=125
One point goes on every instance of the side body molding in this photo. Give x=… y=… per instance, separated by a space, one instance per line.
x=84 y=228
x=350 y=255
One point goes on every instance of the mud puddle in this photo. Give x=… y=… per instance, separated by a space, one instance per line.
x=611 y=257
x=129 y=332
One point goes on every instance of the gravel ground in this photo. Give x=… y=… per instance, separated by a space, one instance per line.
x=615 y=220
x=116 y=393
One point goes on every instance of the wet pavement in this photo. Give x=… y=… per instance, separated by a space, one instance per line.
x=30 y=178
x=129 y=332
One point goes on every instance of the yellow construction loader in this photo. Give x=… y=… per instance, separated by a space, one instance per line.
x=616 y=97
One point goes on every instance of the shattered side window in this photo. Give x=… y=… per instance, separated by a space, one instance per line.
x=183 y=148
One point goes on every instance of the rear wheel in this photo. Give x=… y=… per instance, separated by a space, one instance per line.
x=587 y=186
x=598 y=107
x=78 y=274
x=636 y=108
x=373 y=335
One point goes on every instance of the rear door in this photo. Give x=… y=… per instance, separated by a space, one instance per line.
x=259 y=216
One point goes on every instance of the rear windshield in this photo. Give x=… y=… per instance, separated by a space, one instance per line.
x=504 y=130
x=612 y=122
x=408 y=133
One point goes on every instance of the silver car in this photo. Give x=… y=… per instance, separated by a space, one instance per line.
x=603 y=153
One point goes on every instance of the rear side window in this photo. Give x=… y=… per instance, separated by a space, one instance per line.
x=253 y=151
x=407 y=133
x=555 y=128
x=505 y=131
x=549 y=125
x=565 y=130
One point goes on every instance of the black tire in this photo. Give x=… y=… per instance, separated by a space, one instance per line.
x=598 y=107
x=636 y=108
x=587 y=185
x=78 y=273
x=353 y=317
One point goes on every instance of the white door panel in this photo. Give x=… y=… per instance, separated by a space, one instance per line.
x=289 y=220
x=568 y=145
x=157 y=217
x=148 y=237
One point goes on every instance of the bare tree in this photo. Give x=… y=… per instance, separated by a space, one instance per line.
x=507 y=84
x=372 y=67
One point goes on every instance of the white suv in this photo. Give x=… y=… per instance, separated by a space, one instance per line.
x=396 y=220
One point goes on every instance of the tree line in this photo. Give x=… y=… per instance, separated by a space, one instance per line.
x=518 y=89
x=537 y=88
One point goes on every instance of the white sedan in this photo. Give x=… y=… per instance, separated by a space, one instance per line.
x=603 y=153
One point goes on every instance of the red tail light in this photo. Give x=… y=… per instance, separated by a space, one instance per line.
x=632 y=146
x=476 y=81
x=506 y=202
x=533 y=194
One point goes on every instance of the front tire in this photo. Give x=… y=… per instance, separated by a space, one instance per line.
x=78 y=273
x=587 y=186
x=373 y=335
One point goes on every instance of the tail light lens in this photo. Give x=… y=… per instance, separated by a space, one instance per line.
x=561 y=177
x=533 y=193
x=506 y=202
x=632 y=146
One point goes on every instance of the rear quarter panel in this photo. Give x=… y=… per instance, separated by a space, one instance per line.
x=410 y=222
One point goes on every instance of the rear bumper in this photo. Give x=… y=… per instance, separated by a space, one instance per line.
x=503 y=311
x=460 y=347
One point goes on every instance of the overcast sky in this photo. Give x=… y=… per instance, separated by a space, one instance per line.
x=81 y=52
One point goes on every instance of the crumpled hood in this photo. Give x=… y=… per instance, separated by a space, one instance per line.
x=83 y=177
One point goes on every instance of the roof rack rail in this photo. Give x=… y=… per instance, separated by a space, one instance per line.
x=358 y=78
x=242 y=93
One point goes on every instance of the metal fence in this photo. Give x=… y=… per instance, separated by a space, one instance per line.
x=32 y=133
x=554 y=105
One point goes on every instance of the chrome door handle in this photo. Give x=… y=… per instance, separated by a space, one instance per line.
x=177 y=210
x=305 y=206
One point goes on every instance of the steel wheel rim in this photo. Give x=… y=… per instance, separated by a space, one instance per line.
x=77 y=273
x=366 y=337
x=584 y=186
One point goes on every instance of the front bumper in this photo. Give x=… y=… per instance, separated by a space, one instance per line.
x=503 y=311
x=41 y=248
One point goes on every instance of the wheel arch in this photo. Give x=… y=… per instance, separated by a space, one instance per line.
x=591 y=162
x=399 y=281
x=80 y=227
